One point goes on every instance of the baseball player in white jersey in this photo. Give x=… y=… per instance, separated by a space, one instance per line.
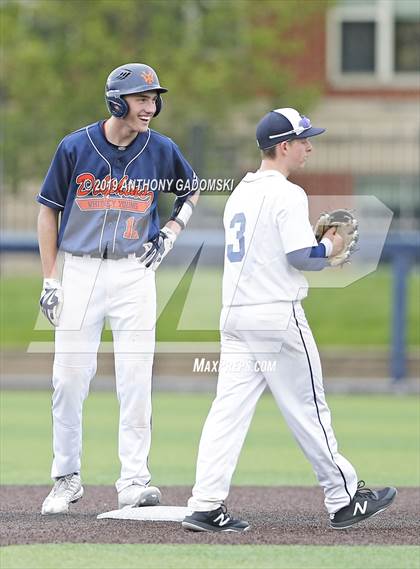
x=269 y=241
x=99 y=208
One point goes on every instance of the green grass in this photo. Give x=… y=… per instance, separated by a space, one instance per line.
x=361 y=314
x=378 y=434
x=358 y=315
x=87 y=556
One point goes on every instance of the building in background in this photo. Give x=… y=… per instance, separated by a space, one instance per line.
x=366 y=56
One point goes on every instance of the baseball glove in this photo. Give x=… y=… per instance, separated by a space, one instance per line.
x=347 y=227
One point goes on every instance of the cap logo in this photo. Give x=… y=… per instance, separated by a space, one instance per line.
x=304 y=122
x=303 y=125
x=148 y=77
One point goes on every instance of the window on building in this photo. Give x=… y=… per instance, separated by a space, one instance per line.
x=358 y=46
x=407 y=46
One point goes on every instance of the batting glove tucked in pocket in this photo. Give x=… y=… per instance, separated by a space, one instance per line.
x=157 y=249
x=51 y=301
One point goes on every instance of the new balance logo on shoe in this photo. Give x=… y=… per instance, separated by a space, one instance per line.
x=222 y=519
x=364 y=504
x=214 y=520
x=358 y=506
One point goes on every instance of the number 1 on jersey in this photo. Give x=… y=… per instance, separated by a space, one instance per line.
x=130 y=229
x=235 y=251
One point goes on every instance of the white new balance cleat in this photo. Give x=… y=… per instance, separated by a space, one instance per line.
x=136 y=495
x=66 y=490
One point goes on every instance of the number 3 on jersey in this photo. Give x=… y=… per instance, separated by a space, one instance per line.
x=235 y=251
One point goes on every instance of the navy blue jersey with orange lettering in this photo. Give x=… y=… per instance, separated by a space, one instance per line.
x=108 y=195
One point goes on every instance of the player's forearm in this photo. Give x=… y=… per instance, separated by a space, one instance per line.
x=161 y=244
x=183 y=209
x=194 y=197
x=174 y=226
x=309 y=259
x=47 y=239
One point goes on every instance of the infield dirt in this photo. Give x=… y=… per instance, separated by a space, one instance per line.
x=281 y=515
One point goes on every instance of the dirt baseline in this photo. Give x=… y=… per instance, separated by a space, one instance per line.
x=281 y=515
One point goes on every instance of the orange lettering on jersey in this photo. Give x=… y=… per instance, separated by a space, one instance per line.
x=125 y=204
x=88 y=184
x=130 y=229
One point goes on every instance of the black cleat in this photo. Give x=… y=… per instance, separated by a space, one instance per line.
x=365 y=504
x=215 y=520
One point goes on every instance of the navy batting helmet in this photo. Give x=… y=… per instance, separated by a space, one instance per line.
x=126 y=80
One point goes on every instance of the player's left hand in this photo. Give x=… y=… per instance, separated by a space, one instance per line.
x=346 y=228
x=51 y=301
x=157 y=249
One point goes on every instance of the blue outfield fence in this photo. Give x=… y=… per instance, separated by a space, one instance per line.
x=401 y=250
x=14 y=242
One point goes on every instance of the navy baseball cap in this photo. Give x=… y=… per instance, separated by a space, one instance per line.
x=284 y=124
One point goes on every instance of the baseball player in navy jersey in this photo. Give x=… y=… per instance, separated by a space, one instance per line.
x=269 y=241
x=98 y=207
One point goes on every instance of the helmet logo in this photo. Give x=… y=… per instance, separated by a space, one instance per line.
x=124 y=74
x=148 y=77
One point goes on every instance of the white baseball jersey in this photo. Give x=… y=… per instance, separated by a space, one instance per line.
x=267 y=342
x=265 y=218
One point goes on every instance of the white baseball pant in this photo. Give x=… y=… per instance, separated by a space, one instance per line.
x=124 y=293
x=279 y=335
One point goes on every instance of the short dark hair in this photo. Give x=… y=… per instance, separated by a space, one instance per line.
x=269 y=153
